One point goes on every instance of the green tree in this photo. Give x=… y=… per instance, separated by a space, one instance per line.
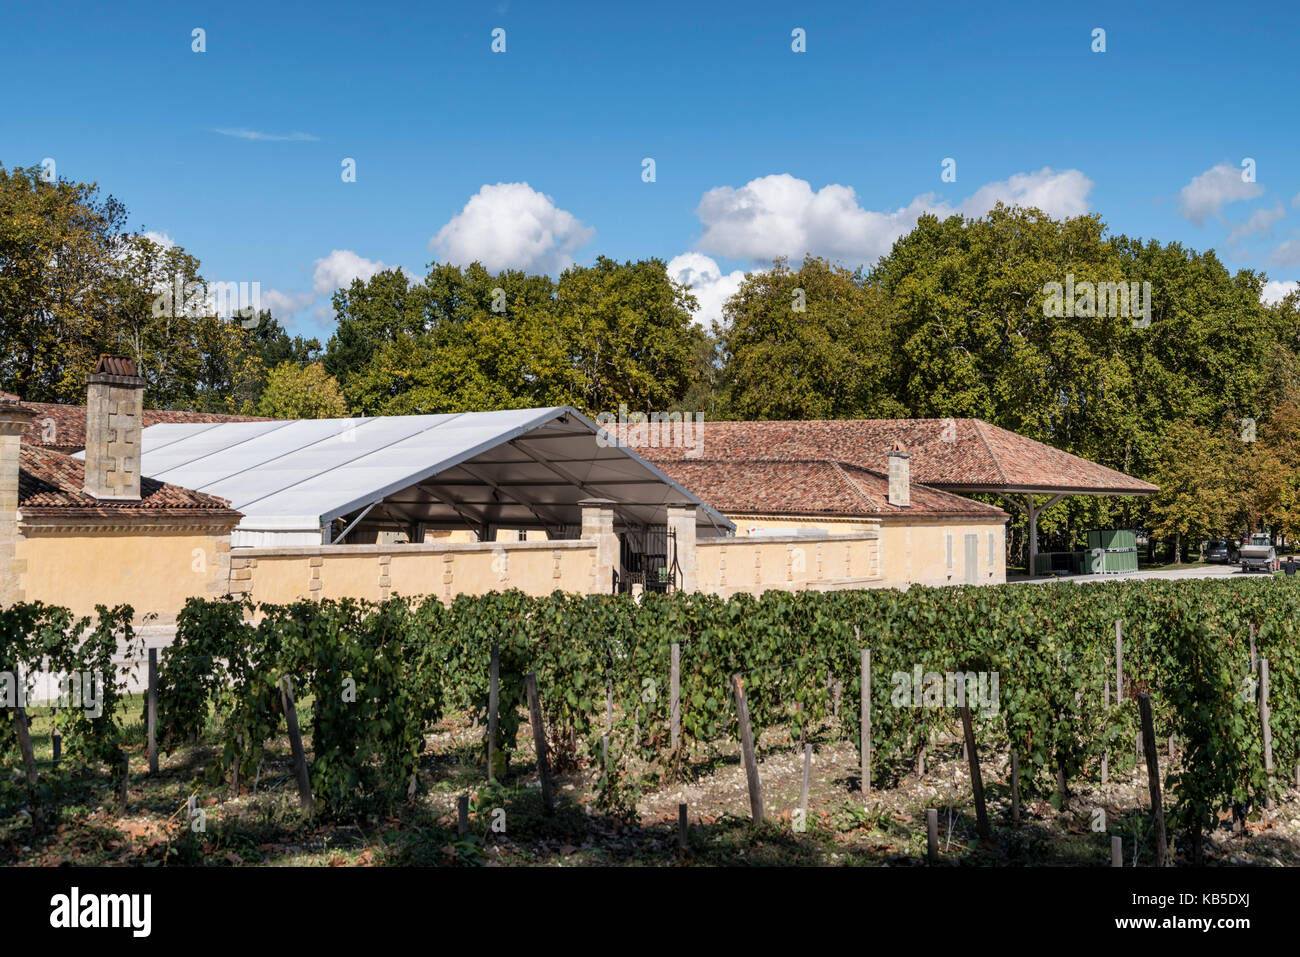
x=1195 y=469
x=301 y=392
x=59 y=243
x=811 y=343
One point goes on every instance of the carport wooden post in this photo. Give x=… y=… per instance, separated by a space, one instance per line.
x=1032 y=512
x=1031 y=534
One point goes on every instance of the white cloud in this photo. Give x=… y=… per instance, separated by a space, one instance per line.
x=1287 y=254
x=512 y=226
x=1275 y=291
x=1260 y=223
x=161 y=239
x=284 y=304
x=1207 y=194
x=707 y=283
x=1059 y=193
x=247 y=134
x=781 y=215
x=340 y=267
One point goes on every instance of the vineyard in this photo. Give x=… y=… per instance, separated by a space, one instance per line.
x=374 y=682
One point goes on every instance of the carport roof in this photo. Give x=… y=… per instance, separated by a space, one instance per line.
x=957 y=455
x=523 y=466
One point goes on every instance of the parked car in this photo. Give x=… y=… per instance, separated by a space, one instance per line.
x=1259 y=554
x=1219 y=551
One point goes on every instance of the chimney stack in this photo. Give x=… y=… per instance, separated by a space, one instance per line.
x=14 y=417
x=900 y=477
x=114 y=414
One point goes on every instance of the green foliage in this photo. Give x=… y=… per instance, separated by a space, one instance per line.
x=372 y=678
x=37 y=637
x=468 y=340
x=301 y=392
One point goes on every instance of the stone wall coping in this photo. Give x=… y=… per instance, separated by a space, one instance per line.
x=399 y=549
x=863 y=536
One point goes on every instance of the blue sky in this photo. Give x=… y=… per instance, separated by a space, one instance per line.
x=758 y=150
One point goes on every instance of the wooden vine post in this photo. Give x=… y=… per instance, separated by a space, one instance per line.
x=1153 y=778
x=539 y=740
x=1015 y=788
x=1266 y=725
x=152 y=715
x=747 y=751
x=807 y=775
x=865 y=717
x=1105 y=753
x=295 y=742
x=675 y=696
x=494 y=680
x=977 y=782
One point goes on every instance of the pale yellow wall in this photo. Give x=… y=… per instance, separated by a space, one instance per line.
x=153 y=570
x=916 y=552
x=756 y=564
x=912 y=550
x=279 y=575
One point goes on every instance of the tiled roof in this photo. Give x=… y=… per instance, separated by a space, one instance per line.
x=115 y=365
x=957 y=454
x=811 y=487
x=48 y=479
x=63 y=427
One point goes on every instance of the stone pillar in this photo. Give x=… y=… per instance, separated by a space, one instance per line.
x=900 y=477
x=13 y=418
x=681 y=522
x=114 y=413
x=598 y=526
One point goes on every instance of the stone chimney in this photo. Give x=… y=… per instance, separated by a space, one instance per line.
x=900 y=477
x=13 y=418
x=114 y=413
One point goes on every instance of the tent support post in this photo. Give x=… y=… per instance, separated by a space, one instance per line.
x=353 y=524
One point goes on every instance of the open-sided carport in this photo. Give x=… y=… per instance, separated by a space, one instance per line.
x=322 y=481
x=963 y=456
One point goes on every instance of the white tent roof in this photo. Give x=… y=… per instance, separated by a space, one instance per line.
x=520 y=467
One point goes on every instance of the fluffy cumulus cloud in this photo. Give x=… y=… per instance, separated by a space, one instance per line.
x=512 y=226
x=340 y=267
x=707 y=283
x=1208 y=193
x=782 y=215
x=161 y=239
x=1275 y=291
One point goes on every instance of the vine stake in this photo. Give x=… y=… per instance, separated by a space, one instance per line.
x=1153 y=778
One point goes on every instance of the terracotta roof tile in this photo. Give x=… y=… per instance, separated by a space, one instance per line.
x=115 y=365
x=957 y=454
x=811 y=487
x=63 y=427
x=48 y=479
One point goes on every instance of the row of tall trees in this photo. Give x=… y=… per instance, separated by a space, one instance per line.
x=75 y=283
x=1195 y=388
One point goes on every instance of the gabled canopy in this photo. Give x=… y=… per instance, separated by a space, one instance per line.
x=521 y=468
